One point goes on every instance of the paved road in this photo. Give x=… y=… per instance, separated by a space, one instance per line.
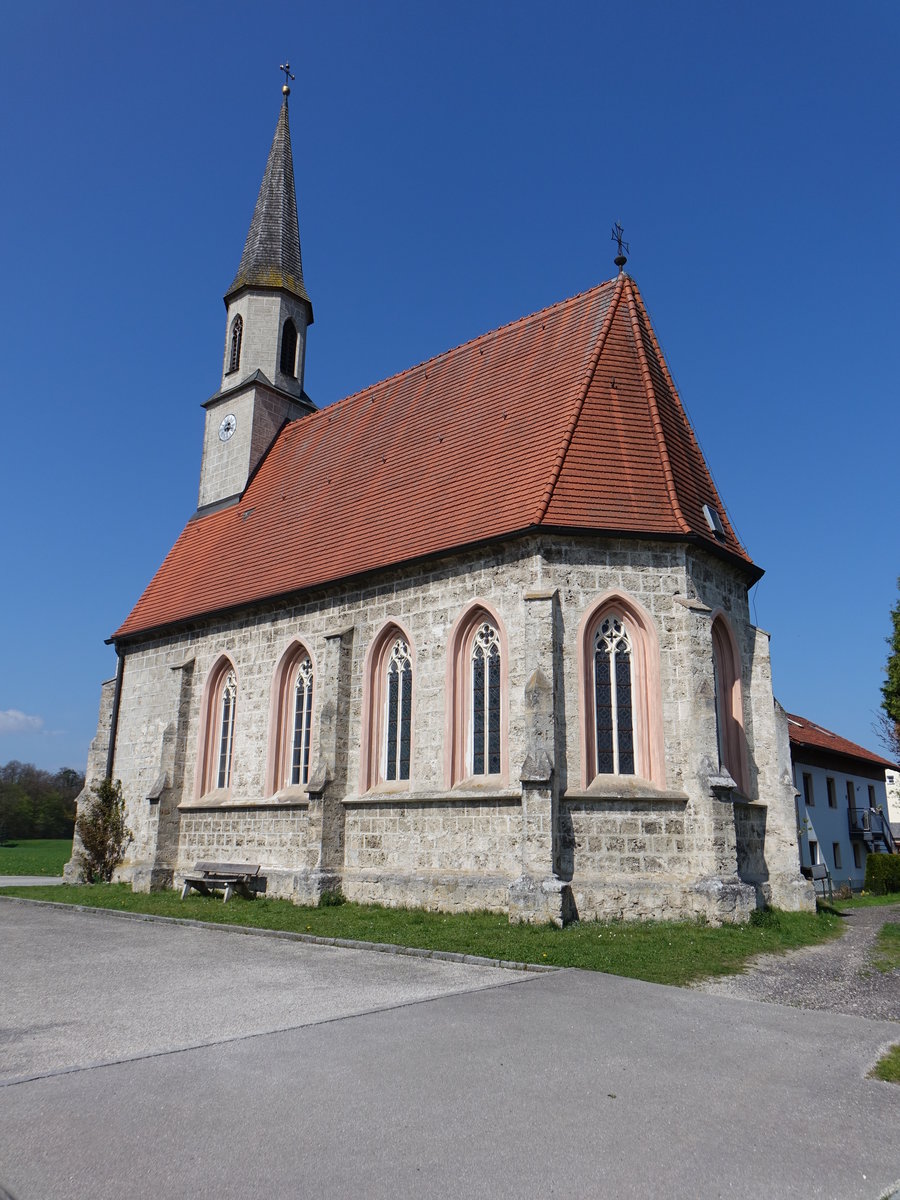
x=249 y=1067
x=836 y=976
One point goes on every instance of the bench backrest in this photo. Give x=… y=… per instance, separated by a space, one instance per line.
x=224 y=868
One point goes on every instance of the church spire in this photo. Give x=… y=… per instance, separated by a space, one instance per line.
x=271 y=257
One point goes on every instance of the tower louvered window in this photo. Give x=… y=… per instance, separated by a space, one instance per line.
x=398 y=717
x=234 y=352
x=289 y=348
x=226 y=735
x=613 y=708
x=303 y=689
x=486 y=701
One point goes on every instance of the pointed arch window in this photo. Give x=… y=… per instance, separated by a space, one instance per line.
x=291 y=738
x=218 y=715
x=621 y=702
x=234 y=347
x=398 y=714
x=387 y=725
x=476 y=712
x=227 y=707
x=289 y=348
x=729 y=706
x=613 y=706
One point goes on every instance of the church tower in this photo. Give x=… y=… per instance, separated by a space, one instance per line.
x=268 y=314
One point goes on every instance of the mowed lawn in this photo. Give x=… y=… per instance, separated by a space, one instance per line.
x=658 y=951
x=43 y=856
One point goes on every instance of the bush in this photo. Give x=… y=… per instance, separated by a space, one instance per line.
x=332 y=899
x=103 y=833
x=882 y=874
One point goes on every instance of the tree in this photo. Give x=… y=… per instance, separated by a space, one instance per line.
x=889 y=724
x=103 y=832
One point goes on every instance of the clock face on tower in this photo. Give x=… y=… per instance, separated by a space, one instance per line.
x=227 y=428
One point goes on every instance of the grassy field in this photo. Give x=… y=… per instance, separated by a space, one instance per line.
x=888 y=1067
x=662 y=952
x=886 y=953
x=868 y=901
x=46 y=856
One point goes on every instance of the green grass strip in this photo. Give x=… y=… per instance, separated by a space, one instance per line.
x=659 y=951
x=868 y=900
x=888 y=1066
x=42 y=856
x=886 y=951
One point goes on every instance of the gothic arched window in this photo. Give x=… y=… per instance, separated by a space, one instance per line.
x=289 y=348
x=302 y=696
x=217 y=727
x=386 y=750
x=234 y=349
x=613 y=708
x=290 y=727
x=398 y=713
x=476 y=719
x=621 y=702
x=227 y=706
x=732 y=744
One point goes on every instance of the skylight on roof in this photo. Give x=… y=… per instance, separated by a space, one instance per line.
x=714 y=521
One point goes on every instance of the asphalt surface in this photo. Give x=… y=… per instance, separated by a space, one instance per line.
x=140 y=1059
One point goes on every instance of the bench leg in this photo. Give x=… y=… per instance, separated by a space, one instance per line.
x=229 y=891
x=185 y=891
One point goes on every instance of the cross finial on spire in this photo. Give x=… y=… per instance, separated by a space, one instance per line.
x=620 y=260
x=286 y=67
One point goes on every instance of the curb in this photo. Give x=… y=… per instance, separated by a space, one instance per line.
x=312 y=939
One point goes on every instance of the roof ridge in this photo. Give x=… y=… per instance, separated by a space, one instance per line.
x=655 y=418
x=689 y=425
x=578 y=407
x=426 y=362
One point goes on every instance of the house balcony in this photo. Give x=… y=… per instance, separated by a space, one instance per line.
x=872 y=826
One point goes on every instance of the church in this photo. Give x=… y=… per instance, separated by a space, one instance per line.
x=476 y=637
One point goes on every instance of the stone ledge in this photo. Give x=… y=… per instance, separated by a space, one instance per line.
x=277 y=803
x=643 y=795
x=455 y=797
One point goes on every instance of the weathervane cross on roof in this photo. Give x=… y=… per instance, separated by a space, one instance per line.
x=620 y=260
x=286 y=67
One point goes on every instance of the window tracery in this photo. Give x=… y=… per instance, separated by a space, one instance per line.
x=237 y=334
x=613 y=708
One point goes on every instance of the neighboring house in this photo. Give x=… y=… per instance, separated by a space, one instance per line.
x=841 y=801
x=475 y=637
x=892 y=785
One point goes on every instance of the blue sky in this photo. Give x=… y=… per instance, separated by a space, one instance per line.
x=457 y=166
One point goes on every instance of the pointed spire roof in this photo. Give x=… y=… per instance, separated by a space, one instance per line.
x=271 y=257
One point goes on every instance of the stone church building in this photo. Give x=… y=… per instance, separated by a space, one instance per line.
x=475 y=637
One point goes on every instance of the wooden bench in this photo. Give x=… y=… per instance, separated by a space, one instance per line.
x=208 y=877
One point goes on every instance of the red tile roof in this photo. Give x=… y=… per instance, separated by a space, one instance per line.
x=564 y=419
x=804 y=733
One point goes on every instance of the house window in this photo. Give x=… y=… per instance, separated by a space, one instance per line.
x=290 y=729
x=476 y=720
x=857 y=856
x=871 y=796
x=808 y=794
x=832 y=794
x=836 y=855
x=234 y=351
x=813 y=852
x=289 y=348
x=217 y=728
x=732 y=744
x=621 y=726
x=851 y=794
x=387 y=710
x=613 y=710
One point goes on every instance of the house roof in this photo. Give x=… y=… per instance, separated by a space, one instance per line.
x=567 y=419
x=806 y=734
x=271 y=257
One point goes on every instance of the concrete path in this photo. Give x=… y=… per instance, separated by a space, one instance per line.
x=250 y=1067
x=30 y=880
x=836 y=976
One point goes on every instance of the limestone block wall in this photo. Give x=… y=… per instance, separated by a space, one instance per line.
x=669 y=844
